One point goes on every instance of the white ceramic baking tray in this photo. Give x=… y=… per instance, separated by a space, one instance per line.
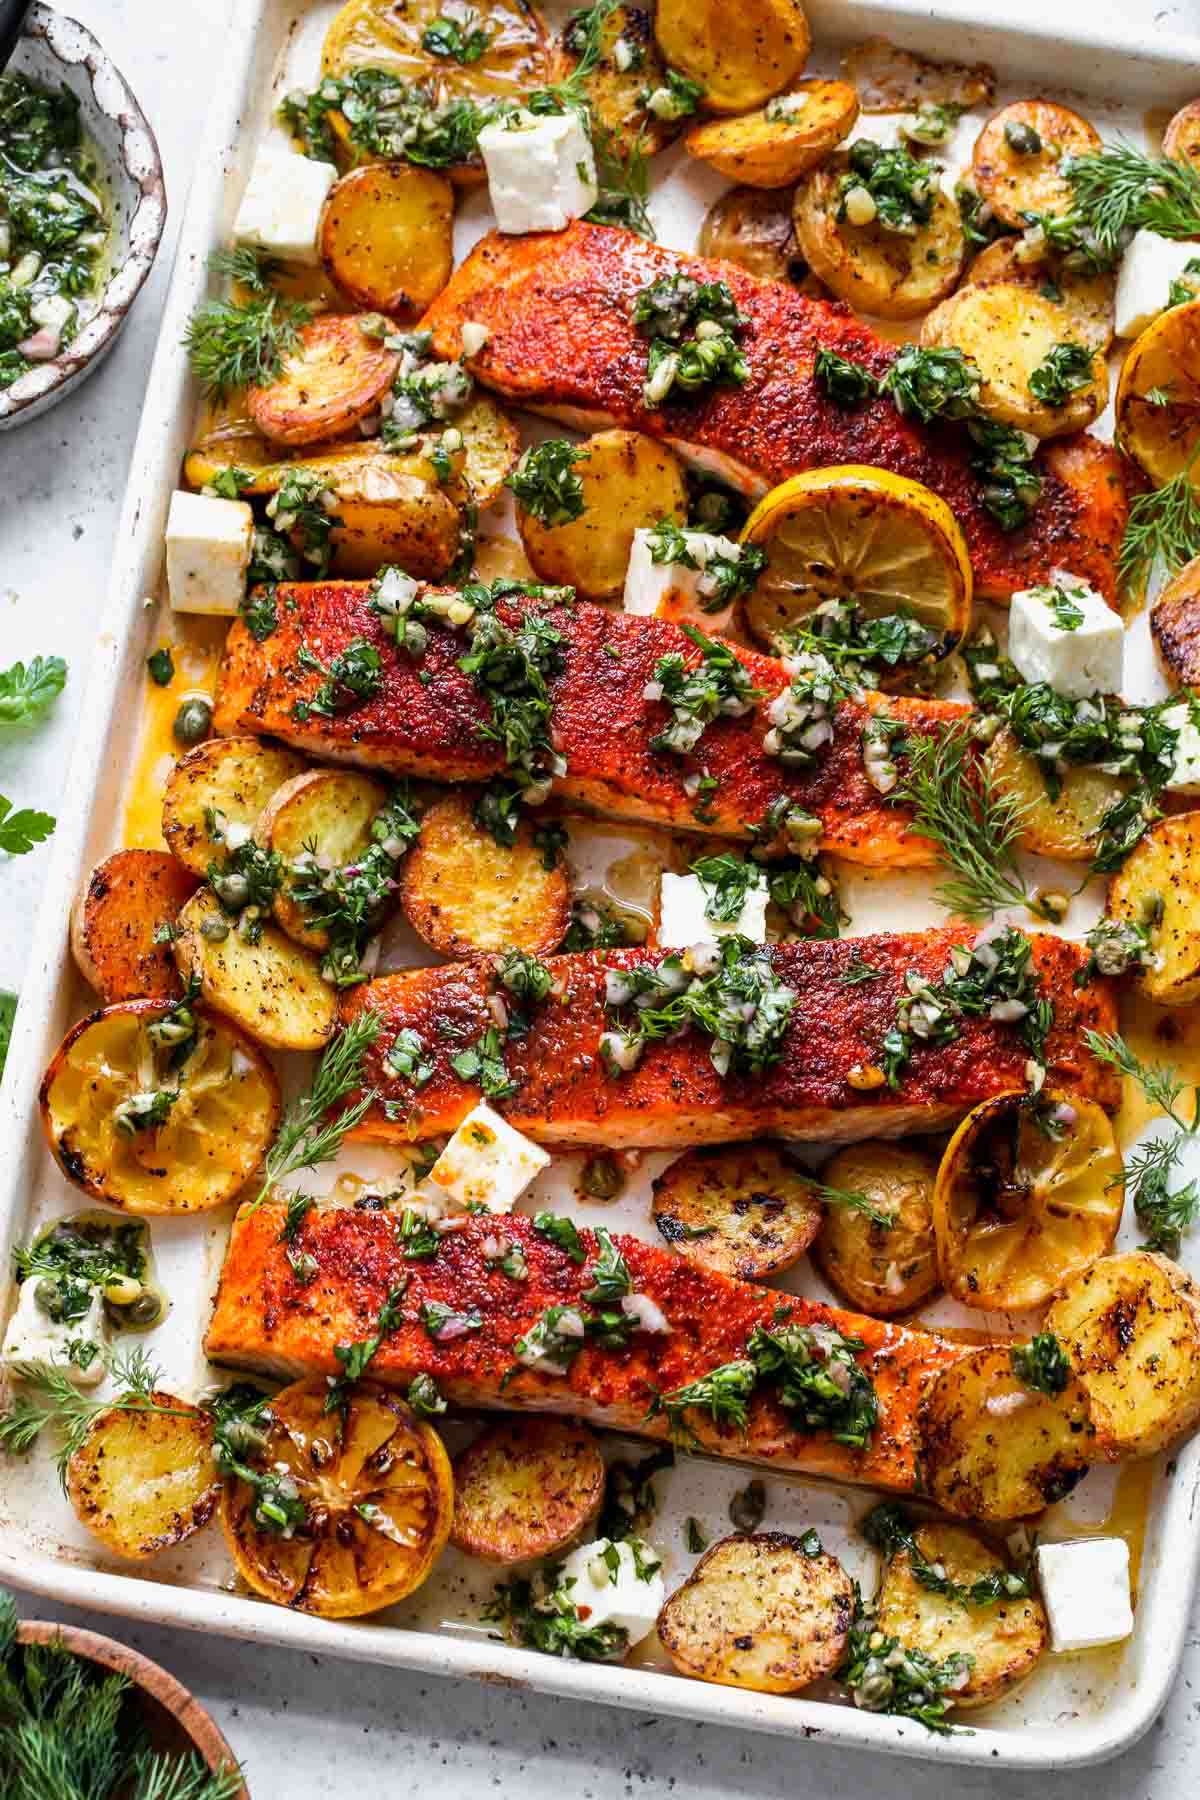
x=1074 y=1711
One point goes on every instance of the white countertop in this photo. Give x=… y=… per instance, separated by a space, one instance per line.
x=308 y=1727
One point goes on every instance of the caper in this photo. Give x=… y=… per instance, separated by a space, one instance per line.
x=1022 y=139
x=145 y=1310
x=215 y=930
x=48 y=1298
x=602 y=1177
x=193 y=722
x=863 y=155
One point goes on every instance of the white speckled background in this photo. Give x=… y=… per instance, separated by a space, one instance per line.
x=308 y=1727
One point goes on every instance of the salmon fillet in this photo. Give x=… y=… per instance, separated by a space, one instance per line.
x=565 y=1096
x=559 y=309
x=428 y=717
x=268 y=1322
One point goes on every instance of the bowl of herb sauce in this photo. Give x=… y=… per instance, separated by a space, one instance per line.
x=82 y=209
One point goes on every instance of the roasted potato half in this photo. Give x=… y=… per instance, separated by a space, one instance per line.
x=1163 y=873
x=758 y=1612
x=466 y=894
x=876 y=271
x=227 y=781
x=1181 y=139
x=629 y=480
x=336 y=376
x=890 y=80
x=741 y=55
x=388 y=516
x=1004 y=1639
x=1175 y=626
x=1019 y=154
x=385 y=237
x=195 y=1148
x=621 y=79
x=1067 y=827
x=144 y=1479
x=1009 y=332
x=741 y=1210
x=492 y=445
x=527 y=1487
x=1130 y=1324
x=125 y=900
x=328 y=812
x=1088 y=298
x=377 y=1488
x=273 y=989
x=773 y=147
x=992 y=1449
x=881 y=1269
x=753 y=228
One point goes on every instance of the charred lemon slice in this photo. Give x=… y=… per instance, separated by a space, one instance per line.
x=1067 y=825
x=883 y=542
x=378 y=1497
x=378 y=34
x=148 y=1118
x=1158 y=396
x=1029 y=1191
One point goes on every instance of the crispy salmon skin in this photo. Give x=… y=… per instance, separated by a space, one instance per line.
x=267 y=1321
x=565 y=1095
x=428 y=720
x=559 y=313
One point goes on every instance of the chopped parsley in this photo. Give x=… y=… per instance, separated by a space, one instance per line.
x=995 y=979
x=820 y=1383
x=1042 y=1365
x=354 y=677
x=1062 y=372
x=902 y=188
x=693 y=328
x=544 y=482
x=718 y=686
x=848 y=384
x=891 y=1531
x=739 y=1003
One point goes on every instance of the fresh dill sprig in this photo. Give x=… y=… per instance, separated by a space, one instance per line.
x=1162 y=1214
x=1163 y=527
x=623 y=178
x=1160 y=1083
x=52 y=1399
x=1120 y=190
x=851 y=1200
x=974 y=826
x=249 y=267
x=232 y=345
x=307 y=1137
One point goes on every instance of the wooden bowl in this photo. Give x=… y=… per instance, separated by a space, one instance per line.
x=175 y=1720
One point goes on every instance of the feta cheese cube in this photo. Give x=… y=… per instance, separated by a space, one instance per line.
x=1148 y=268
x=606 y=1589
x=487 y=1163
x=209 y=544
x=1185 y=771
x=541 y=172
x=32 y=1337
x=675 y=590
x=1066 y=635
x=682 y=920
x=281 y=207
x=1085 y=1587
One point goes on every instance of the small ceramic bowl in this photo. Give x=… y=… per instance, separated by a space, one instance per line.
x=54 y=50
x=175 y=1721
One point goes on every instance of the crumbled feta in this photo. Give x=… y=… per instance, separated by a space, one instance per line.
x=281 y=207
x=683 y=921
x=1066 y=635
x=617 y=1595
x=487 y=1163
x=674 y=590
x=541 y=171
x=209 y=544
x=1148 y=268
x=33 y=1338
x=1185 y=770
x=1085 y=1587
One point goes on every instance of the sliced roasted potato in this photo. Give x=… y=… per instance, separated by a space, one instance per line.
x=1181 y=139
x=620 y=81
x=388 y=516
x=335 y=377
x=492 y=444
x=273 y=988
x=221 y=1113
x=758 y=1612
x=753 y=227
x=877 y=271
x=125 y=900
x=990 y=1448
x=228 y=780
x=741 y=1210
x=327 y=811
x=382 y=34
x=1066 y=827
x=1019 y=154
x=1165 y=867
x=467 y=894
x=1009 y=331
x=143 y=1480
x=880 y=1269
x=1130 y=1324
x=385 y=237
x=741 y=55
x=377 y=1488
x=527 y=1487
x=1004 y=1639
x=1088 y=298
x=1175 y=626
x=629 y=480
x=892 y=80
x=773 y=147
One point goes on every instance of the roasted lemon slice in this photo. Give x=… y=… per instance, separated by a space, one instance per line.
x=378 y=1493
x=1067 y=826
x=154 y=1126
x=1029 y=1191
x=1158 y=396
x=853 y=533
x=378 y=34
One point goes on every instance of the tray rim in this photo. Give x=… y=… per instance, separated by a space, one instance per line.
x=1169 y=1575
